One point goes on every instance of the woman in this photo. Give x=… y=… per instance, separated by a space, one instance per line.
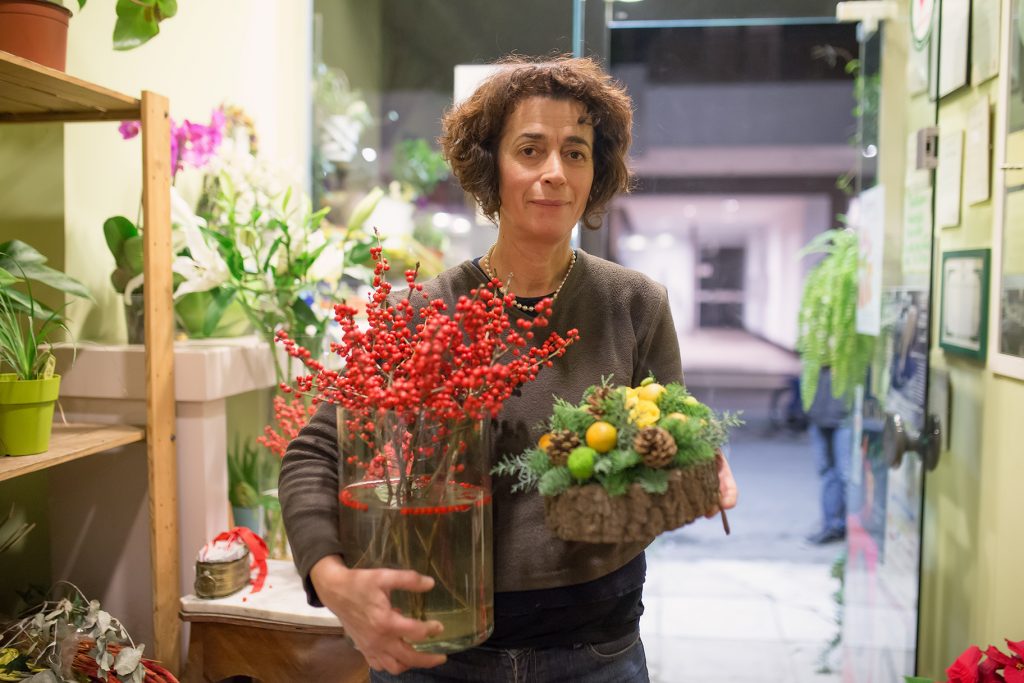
x=540 y=146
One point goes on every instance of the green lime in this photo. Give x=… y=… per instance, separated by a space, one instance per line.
x=691 y=401
x=581 y=462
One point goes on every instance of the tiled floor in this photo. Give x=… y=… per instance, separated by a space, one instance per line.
x=755 y=606
x=734 y=621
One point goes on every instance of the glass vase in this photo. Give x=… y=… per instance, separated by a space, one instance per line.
x=415 y=494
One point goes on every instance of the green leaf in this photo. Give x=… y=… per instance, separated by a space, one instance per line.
x=363 y=209
x=6 y=279
x=137 y=22
x=221 y=298
x=304 y=318
x=167 y=8
x=133 y=254
x=116 y=230
x=360 y=254
x=20 y=259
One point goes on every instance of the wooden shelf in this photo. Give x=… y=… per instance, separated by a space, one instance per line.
x=30 y=92
x=71 y=442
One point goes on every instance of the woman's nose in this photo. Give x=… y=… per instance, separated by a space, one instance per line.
x=554 y=170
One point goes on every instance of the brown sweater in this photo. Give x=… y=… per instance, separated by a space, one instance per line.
x=626 y=331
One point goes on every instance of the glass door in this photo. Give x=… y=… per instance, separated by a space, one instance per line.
x=894 y=437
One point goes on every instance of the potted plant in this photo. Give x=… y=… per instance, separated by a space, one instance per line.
x=38 y=29
x=249 y=472
x=29 y=388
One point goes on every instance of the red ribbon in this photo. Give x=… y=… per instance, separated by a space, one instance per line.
x=257 y=551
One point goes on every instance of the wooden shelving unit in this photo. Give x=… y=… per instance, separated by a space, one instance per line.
x=33 y=93
x=71 y=442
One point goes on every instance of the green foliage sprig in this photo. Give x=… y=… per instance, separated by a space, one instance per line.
x=828 y=334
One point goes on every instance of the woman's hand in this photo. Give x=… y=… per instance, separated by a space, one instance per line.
x=360 y=598
x=727 y=491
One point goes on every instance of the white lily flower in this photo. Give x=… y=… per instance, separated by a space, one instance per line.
x=327 y=266
x=203 y=270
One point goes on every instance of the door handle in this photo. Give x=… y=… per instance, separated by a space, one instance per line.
x=898 y=438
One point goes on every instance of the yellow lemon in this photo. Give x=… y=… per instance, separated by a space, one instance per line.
x=544 y=441
x=650 y=392
x=682 y=417
x=645 y=413
x=602 y=436
x=631 y=397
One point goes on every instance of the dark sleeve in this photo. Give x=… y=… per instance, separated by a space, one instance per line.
x=658 y=343
x=308 y=489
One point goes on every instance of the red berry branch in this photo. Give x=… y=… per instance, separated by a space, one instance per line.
x=423 y=361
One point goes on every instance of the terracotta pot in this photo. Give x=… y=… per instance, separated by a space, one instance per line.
x=36 y=30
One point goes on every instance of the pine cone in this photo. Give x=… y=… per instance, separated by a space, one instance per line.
x=562 y=443
x=656 y=446
x=596 y=398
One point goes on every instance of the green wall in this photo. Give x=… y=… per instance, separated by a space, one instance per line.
x=971 y=560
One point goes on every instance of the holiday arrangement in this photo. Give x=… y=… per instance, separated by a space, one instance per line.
x=418 y=388
x=625 y=464
x=71 y=638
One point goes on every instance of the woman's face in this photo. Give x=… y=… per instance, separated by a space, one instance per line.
x=545 y=169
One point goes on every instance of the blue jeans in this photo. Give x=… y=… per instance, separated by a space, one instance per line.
x=618 y=661
x=832 y=448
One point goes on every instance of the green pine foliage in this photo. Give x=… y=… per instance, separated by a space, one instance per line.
x=653 y=481
x=693 y=454
x=554 y=481
x=616 y=483
x=622 y=460
x=828 y=334
x=527 y=467
x=567 y=416
x=674 y=400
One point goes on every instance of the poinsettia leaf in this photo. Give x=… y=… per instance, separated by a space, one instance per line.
x=1014 y=671
x=1016 y=647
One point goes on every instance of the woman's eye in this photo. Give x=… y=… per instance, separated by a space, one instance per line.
x=577 y=155
x=529 y=151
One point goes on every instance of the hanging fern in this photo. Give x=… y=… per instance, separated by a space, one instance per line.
x=828 y=318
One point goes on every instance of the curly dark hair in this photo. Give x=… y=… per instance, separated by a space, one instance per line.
x=472 y=129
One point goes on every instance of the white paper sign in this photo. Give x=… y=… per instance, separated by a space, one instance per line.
x=948 y=178
x=871 y=235
x=953 y=45
x=977 y=160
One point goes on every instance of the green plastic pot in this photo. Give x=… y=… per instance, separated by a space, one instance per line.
x=26 y=413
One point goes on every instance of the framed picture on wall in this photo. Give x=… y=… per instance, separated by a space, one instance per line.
x=1006 y=324
x=963 y=322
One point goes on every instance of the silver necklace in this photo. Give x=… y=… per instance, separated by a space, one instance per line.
x=485 y=262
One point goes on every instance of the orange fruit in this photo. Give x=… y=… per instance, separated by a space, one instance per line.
x=544 y=441
x=602 y=436
x=650 y=392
